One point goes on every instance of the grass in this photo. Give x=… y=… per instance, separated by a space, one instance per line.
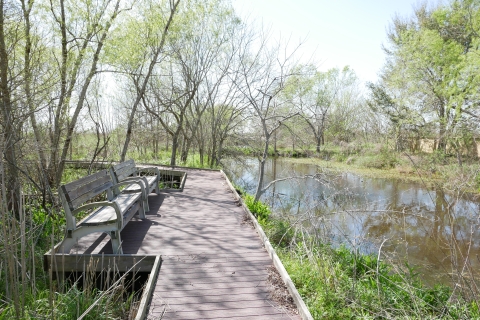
x=339 y=284
x=73 y=303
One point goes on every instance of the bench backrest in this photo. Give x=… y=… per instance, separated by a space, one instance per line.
x=76 y=193
x=123 y=170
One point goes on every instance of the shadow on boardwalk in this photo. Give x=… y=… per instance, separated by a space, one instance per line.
x=214 y=266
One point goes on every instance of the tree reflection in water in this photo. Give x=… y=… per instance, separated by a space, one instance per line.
x=436 y=233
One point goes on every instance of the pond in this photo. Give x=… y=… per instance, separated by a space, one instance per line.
x=437 y=234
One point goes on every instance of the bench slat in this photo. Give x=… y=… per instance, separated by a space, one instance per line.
x=89 y=188
x=125 y=172
x=107 y=215
x=82 y=181
x=127 y=163
x=88 y=192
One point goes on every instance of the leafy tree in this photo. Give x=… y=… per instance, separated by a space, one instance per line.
x=431 y=64
x=402 y=118
x=320 y=96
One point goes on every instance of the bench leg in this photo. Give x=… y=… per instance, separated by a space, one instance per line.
x=141 y=210
x=116 y=242
x=145 y=207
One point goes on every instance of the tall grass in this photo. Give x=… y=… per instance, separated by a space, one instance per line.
x=28 y=292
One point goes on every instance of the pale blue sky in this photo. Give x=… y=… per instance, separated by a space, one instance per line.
x=339 y=32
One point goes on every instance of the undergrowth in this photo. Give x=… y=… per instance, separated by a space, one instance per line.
x=27 y=291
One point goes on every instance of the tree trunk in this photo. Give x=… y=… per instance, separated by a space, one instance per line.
x=173 y=158
x=83 y=95
x=261 y=170
x=28 y=84
x=12 y=183
x=442 y=144
x=141 y=92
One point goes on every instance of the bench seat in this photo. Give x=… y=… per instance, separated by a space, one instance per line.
x=128 y=171
x=106 y=215
x=150 y=181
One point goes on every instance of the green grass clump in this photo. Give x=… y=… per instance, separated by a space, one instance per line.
x=260 y=210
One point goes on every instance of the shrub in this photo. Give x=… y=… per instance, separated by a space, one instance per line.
x=260 y=210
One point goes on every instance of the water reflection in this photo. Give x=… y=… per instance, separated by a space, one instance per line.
x=433 y=231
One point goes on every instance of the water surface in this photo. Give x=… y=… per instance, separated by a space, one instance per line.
x=437 y=234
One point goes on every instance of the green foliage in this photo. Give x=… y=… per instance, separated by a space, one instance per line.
x=72 y=174
x=477 y=182
x=385 y=159
x=430 y=81
x=260 y=210
x=280 y=232
x=341 y=284
x=47 y=224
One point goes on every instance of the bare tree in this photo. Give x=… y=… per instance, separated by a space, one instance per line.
x=193 y=61
x=263 y=75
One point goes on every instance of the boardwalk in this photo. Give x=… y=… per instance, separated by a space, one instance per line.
x=214 y=266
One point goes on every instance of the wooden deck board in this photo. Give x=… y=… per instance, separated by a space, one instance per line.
x=214 y=267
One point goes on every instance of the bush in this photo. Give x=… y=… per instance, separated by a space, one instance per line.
x=260 y=210
x=384 y=159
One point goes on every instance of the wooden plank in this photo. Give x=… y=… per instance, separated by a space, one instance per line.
x=238 y=285
x=125 y=173
x=148 y=290
x=97 y=262
x=85 y=180
x=223 y=293
x=124 y=164
x=229 y=313
x=87 y=187
x=87 y=192
x=247 y=297
x=106 y=215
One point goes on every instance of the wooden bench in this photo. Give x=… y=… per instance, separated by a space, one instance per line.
x=127 y=171
x=110 y=216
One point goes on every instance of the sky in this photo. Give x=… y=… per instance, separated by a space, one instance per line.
x=337 y=32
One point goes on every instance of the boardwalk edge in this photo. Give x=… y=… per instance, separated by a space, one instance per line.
x=302 y=307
